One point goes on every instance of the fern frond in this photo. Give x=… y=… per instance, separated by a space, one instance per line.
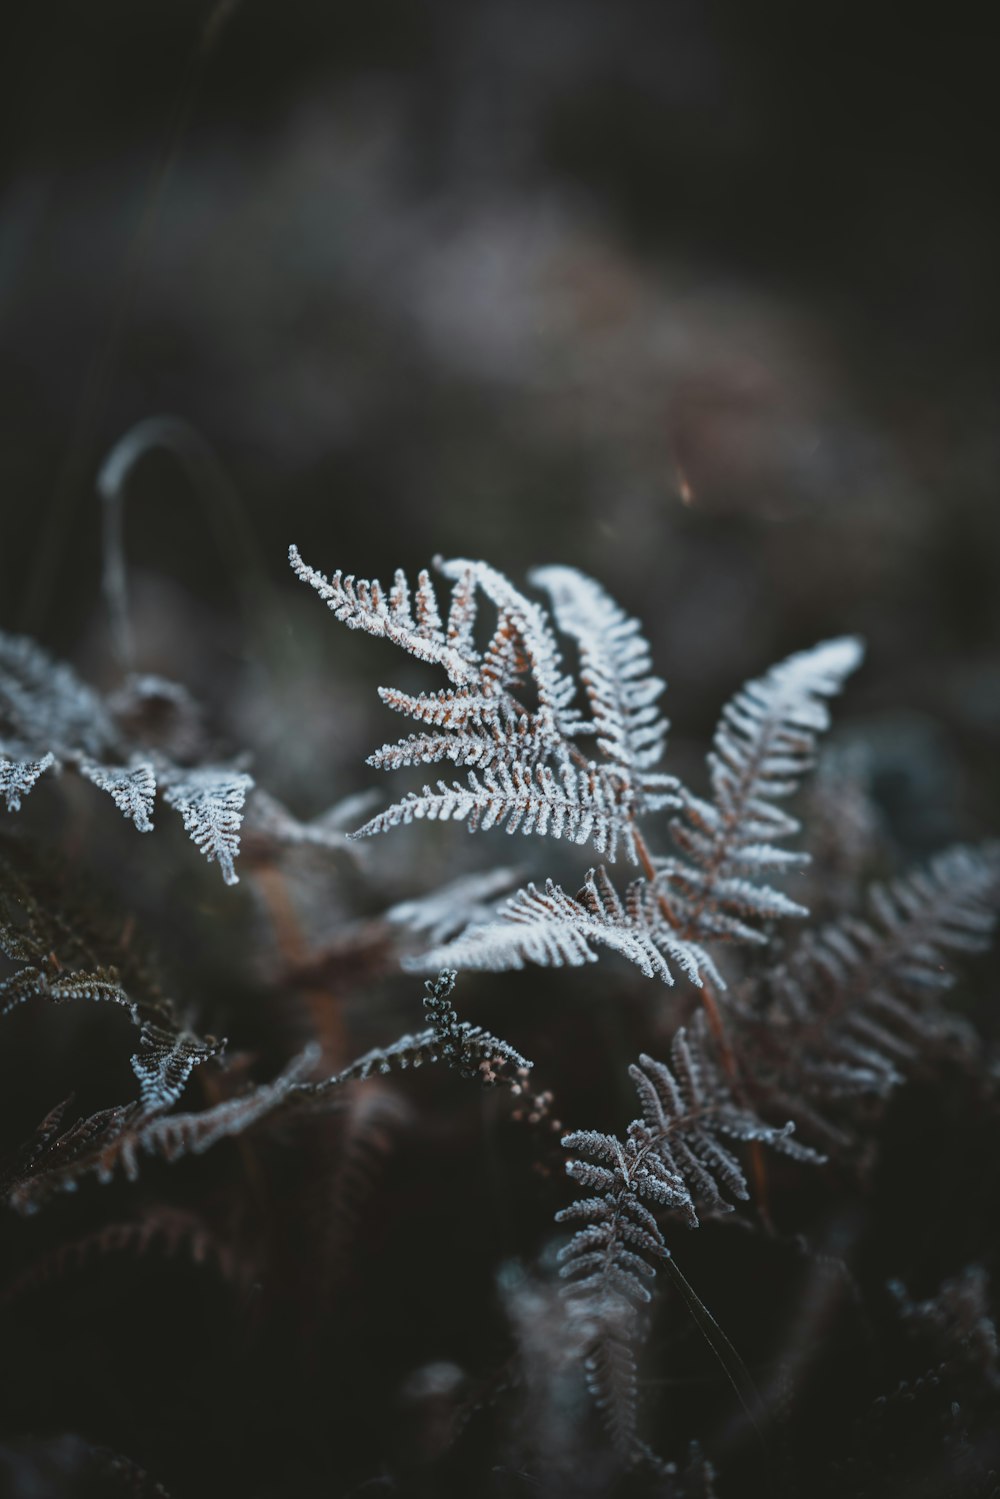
x=674 y=1158
x=676 y=1152
x=689 y=1111
x=509 y=720
x=18 y=777
x=132 y=789
x=519 y=797
x=452 y=709
x=528 y=772
x=364 y=605
x=56 y=964
x=115 y=1139
x=43 y=702
x=210 y=800
x=609 y=1266
x=474 y=1052
x=763 y=745
x=53 y=1159
x=856 y=1004
x=165 y=1062
x=554 y=929
x=616 y=673
x=446 y=911
x=524 y=642
x=50 y=718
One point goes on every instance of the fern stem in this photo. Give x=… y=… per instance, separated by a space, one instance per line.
x=717 y=1025
x=706 y=993
x=735 y=1369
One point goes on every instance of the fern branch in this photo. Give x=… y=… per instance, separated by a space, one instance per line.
x=553 y=929
x=763 y=745
x=616 y=674
x=364 y=605
x=49 y=718
x=856 y=1004
x=674 y=1158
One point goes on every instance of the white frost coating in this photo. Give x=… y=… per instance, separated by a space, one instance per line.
x=364 y=605
x=50 y=718
x=557 y=930
x=763 y=745
x=545 y=753
x=459 y=904
x=617 y=674
x=133 y=789
x=210 y=800
x=17 y=777
x=509 y=716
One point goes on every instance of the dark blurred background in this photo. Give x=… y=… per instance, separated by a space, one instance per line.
x=697 y=295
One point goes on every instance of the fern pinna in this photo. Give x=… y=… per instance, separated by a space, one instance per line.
x=674 y=1158
x=580 y=759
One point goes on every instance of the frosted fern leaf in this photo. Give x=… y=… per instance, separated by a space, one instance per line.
x=364 y=605
x=115 y=1140
x=512 y=720
x=49 y=718
x=524 y=643
x=609 y=1266
x=270 y=825
x=461 y=903
x=43 y=702
x=210 y=800
x=508 y=717
x=519 y=797
x=17 y=777
x=165 y=1062
x=763 y=745
x=132 y=789
x=617 y=677
x=554 y=929
x=855 y=1005
x=473 y=1051
x=676 y=1155
x=675 y=1158
x=689 y=1114
x=55 y=962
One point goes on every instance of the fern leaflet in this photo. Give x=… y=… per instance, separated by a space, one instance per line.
x=763 y=745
